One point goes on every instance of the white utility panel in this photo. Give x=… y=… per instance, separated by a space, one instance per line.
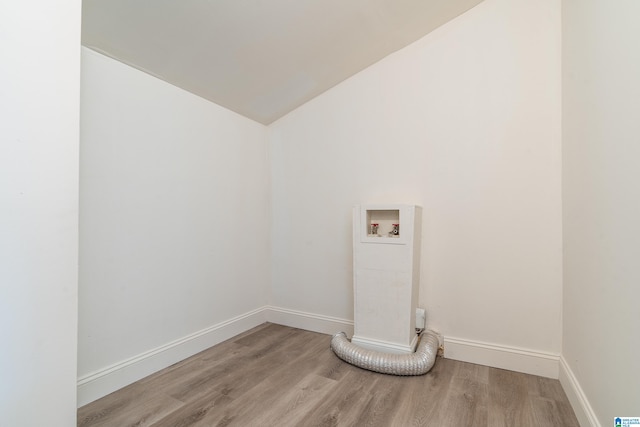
x=386 y=265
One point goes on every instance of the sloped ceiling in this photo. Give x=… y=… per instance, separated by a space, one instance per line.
x=259 y=58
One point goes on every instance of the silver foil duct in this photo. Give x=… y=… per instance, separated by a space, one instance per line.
x=418 y=363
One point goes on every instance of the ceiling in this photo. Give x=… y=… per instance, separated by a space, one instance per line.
x=259 y=58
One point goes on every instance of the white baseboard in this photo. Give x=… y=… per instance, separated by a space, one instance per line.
x=111 y=378
x=385 y=346
x=581 y=407
x=308 y=321
x=503 y=357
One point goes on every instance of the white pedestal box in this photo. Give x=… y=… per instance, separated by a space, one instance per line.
x=386 y=270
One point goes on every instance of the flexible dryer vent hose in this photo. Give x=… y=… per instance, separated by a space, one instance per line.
x=417 y=363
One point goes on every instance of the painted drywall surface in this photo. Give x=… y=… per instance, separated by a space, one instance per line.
x=466 y=124
x=39 y=139
x=173 y=214
x=601 y=148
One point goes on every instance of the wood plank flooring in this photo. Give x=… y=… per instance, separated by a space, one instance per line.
x=274 y=375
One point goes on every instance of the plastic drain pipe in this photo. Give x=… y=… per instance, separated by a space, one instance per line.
x=418 y=363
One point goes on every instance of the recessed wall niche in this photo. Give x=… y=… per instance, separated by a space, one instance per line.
x=382 y=224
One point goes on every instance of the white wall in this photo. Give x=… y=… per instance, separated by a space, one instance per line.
x=174 y=218
x=601 y=148
x=466 y=123
x=39 y=110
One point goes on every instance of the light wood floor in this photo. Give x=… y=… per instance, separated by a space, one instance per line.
x=274 y=375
